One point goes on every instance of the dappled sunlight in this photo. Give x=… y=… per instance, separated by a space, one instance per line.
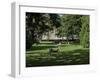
x=68 y=55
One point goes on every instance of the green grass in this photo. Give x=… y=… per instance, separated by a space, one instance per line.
x=72 y=54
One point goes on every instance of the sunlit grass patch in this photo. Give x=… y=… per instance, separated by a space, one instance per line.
x=68 y=55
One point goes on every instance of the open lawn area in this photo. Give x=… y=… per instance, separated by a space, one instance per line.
x=67 y=54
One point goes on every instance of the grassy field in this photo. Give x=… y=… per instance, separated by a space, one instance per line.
x=68 y=54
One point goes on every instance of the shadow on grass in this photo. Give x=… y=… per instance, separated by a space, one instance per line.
x=75 y=57
x=42 y=47
x=77 y=51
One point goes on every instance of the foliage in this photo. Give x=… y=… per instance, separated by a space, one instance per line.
x=67 y=25
x=71 y=25
x=84 y=34
x=37 y=24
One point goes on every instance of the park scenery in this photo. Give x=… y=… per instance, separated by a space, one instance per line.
x=54 y=39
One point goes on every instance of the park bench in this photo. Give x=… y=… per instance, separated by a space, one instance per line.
x=54 y=49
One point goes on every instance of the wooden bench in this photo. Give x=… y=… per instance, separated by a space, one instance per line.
x=53 y=50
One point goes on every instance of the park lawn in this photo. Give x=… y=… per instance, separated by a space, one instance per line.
x=68 y=54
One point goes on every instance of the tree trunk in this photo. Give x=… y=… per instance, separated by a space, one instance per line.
x=67 y=40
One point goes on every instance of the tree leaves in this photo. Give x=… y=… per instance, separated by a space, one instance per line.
x=84 y=34
x=40 y=23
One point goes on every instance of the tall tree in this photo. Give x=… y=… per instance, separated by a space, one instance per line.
x=84 y=34
x=37 y=24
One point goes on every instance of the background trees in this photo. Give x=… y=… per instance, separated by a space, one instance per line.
x=67 y=25
x=71 y=26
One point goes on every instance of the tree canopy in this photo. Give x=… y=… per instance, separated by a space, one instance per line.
x=39 y=23
x=67 y=25
x=71 y=25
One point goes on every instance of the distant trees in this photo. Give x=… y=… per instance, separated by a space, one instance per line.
x=71 y=25
x=84 y=34
x=75 y=25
